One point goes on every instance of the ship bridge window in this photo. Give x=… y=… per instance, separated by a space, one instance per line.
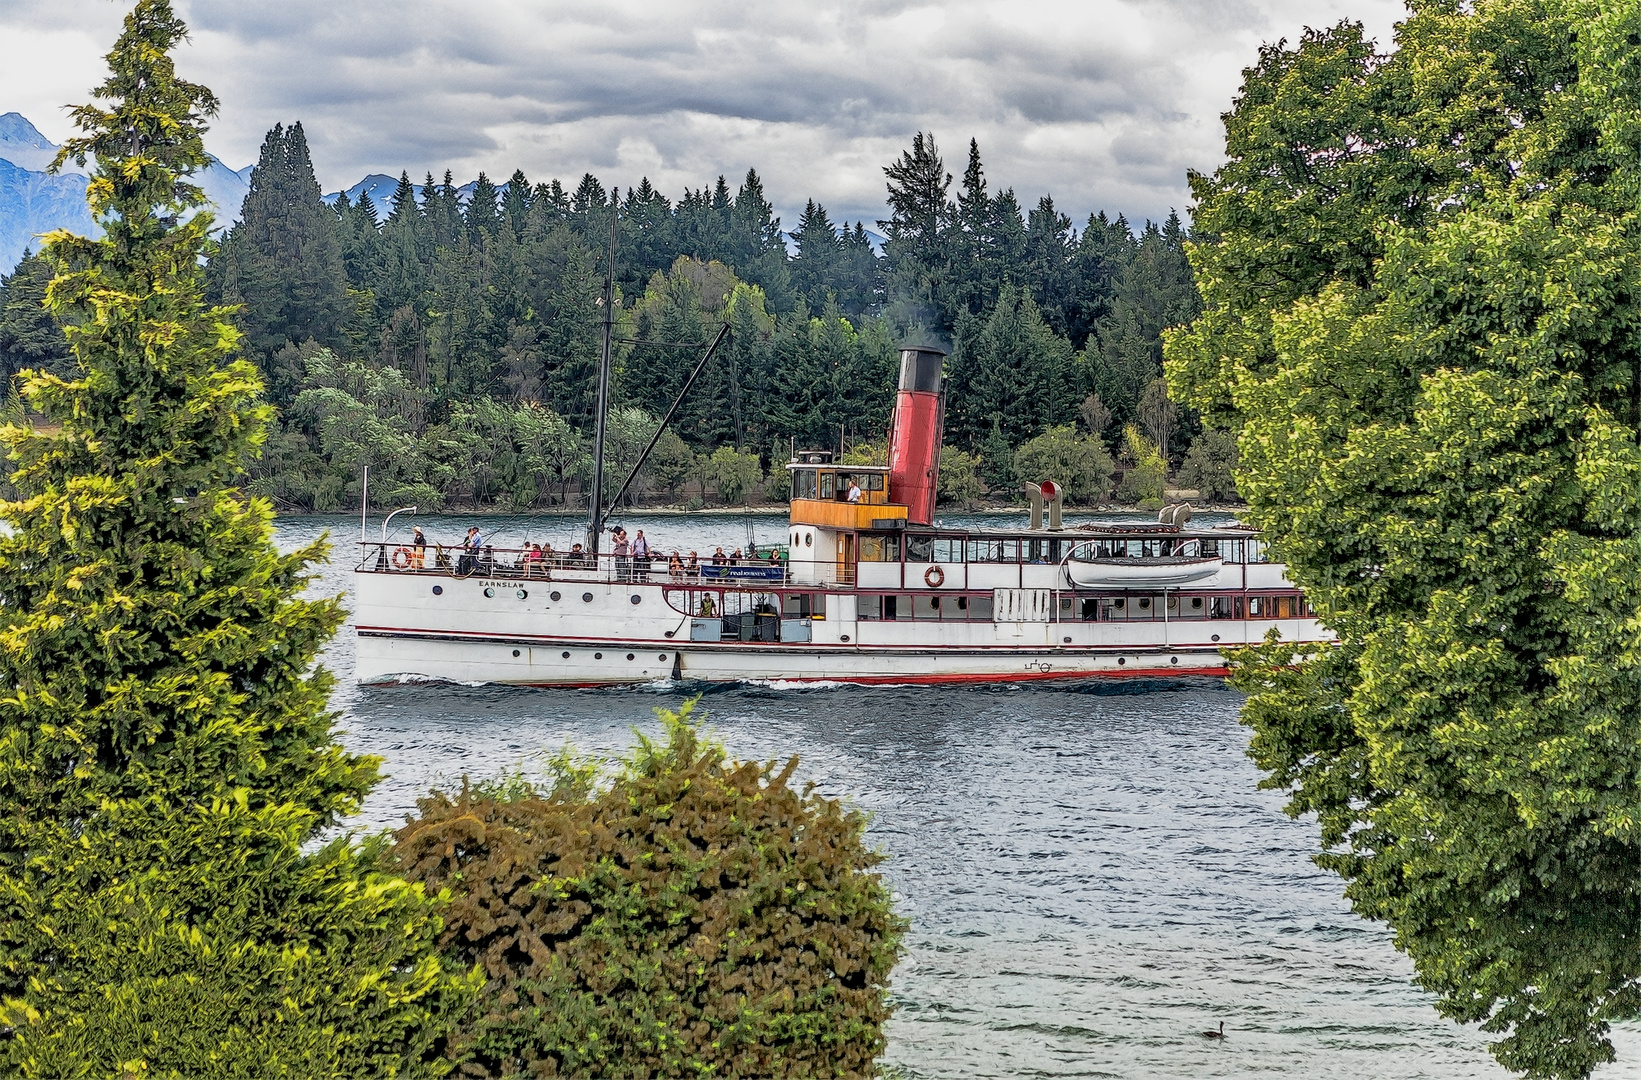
x=803 y=483
x=827 y=480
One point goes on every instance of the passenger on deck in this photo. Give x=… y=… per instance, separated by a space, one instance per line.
x=418 y=549
x=470 y=552
x=622 y=550
x=736 y=559
x=533 y=562
x=577 y=555
x=675 y=567
x=641 y=556
x=854 y=490
x=693 y=567
x=718 y=557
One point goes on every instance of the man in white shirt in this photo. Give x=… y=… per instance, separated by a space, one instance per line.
x=854 y=490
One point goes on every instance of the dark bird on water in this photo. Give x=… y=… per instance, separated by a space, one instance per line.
x=1220 y=1034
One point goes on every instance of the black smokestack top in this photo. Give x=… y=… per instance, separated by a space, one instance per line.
x=920 y=368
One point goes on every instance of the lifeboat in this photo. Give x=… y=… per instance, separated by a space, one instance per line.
x=1137 y=573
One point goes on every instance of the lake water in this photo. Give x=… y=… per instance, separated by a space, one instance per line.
x=1091 y=876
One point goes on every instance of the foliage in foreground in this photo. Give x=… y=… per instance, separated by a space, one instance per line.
x=1422 y=318
x=694 y=915
x=166 y=751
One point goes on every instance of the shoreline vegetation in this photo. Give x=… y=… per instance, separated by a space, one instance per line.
x=775 y=509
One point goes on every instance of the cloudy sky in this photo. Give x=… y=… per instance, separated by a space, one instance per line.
x=1104 y=104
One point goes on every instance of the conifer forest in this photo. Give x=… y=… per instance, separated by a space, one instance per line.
x=451 y=340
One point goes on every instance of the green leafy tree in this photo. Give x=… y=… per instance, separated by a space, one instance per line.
x=1061 y=455
x=670 y=462
x=1210 y=466
x=1421 y=319
x=168 y=905
x=690 y=915
x=735 y=473
x=1145 y=473
x=960 y=482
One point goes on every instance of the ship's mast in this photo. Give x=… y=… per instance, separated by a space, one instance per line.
x=595 y=520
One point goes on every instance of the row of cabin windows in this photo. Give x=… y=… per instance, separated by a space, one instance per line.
x=939 y=549
x=949 y=607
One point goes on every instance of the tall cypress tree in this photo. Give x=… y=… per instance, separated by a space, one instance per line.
x=169 y=760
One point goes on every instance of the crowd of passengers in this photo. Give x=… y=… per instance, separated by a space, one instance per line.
x=634 y=559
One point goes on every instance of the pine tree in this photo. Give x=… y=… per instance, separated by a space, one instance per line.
x=29 y=336
x=283 y=263
x=482 y=212
x=170 y=760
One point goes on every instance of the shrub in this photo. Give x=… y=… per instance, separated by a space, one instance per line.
x=694 y=915
x=1061 y=455
x=735 y=473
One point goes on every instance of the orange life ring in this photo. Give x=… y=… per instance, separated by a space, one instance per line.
x=401 y=558
x=934 y=577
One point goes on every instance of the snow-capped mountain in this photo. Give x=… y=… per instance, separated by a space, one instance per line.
x=33 y=201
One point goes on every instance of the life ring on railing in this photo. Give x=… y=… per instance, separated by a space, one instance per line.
x=934 y=577
x=401 y=558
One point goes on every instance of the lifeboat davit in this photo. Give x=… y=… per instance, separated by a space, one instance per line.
x=1138 y=573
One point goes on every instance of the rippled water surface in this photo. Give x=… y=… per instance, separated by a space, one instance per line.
x=1091 y=876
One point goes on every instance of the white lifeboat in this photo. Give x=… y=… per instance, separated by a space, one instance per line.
x=1138 y=573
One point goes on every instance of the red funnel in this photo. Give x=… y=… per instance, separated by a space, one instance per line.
x=914 y=444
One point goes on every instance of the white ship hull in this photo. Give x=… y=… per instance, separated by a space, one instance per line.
x=613 y=633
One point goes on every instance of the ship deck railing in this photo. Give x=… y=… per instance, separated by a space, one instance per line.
x=515 y=564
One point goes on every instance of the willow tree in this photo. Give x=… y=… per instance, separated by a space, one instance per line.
x=1422 y=317
x=167 y=761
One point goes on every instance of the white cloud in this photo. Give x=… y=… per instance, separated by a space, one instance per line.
x=1102 y=103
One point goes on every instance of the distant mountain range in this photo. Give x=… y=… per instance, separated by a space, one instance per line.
x=33 y=201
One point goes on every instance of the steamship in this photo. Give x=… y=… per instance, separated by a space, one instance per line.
x=871 y=591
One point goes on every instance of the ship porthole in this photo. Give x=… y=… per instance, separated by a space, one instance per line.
x=438 y=590
x=843 y=637
x=1145 y=602
x=1216 y=637
x=586 y=598
x=523 y=593
x=1173 y=659
x=556 y=596
x=1121 y=660
x=598 y=656
x=629 y=656
x=490 y=592
x=663 y=656
x=808 y=539
x=1196 y=603
x=515 y=652
x=636 y=599
x=566 y=656
x=1066 y=640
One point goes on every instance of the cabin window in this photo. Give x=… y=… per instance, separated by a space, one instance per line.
x=994 y=551
x=927 y=607
x=869 y=608
x=873 y=482
x=980 y=607
x=905 y=607
x=1208 y=548
x=920 y=549
x=1219 y=607
x=872 y=549
x=803 y=483
x=1256 y=607
x=1231 y=550
x=826 y=482
x=1091 y=609
x=947 y=550
x=1256 y=552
